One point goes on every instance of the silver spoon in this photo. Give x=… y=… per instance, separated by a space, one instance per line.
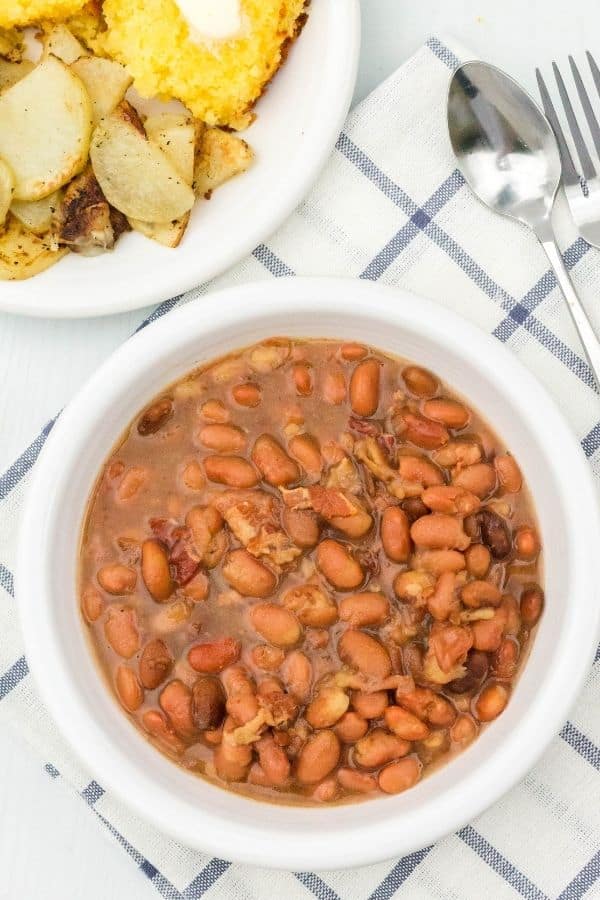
x=508 y=154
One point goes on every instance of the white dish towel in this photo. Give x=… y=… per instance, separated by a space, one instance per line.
x=391 y=205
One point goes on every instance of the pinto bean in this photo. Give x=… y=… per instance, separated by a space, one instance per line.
x=439 y=532
x=438 y=561
x=420 y=382
x=476 y=594
x=478 y=560
x=297 y=674
x=319 y=756
x=477 y=669
x=395 y=534
x=362 y=610
x=302 y=527
x=269 y=659
x=364 y=387
x=275 y=624
x=378 y=748
x=247 y=394
x=247 y=575
x=509 y=474
x=527 y=543
x=215 y=411
x=491 y=701
x=92 y=604
x=450 y=413
x=117 y=579
x=464 y=730
x=155 y=664
x=478 y=479
x=421 y=431
x=242 y=702
x=405 y=725
x=273 y=761
x=129 y=690
x=327 y=707
x=312 y=605
x=305 y=448
x=193 y=476
x=155 y=723
x=532 y=603
x=214 y=656
x=353 y=352
x=414 y=586
x=419 y=469
x=273 y=463
x=487 y=633
x=234 y=471
x=156 y=571
x=302 y=378
x=495 y=533
x=356 y=782
x=400 y=776
x=208 y=703
x=505 y=659
x=351 y=727
x=370 y=705
x=176 y=702
x=364 y=652
x=155 y=416
x=334 y=387
x=223 y=438
x=120 y=628
x=132 y=481
x=338 y=566
x=449 y=499
x=427 y=705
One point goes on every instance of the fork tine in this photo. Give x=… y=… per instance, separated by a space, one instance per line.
x=594 y=70
x=587 y=106
x=587 y=165
x=570 y=175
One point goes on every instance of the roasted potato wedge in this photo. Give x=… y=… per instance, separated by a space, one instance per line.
x=221 y=156
x=11 y=45
x=45 y=129
x=24 y=254
x=11 y=72
x=36 y=215
x=62 y=44
x=169 y=234
x=136 y=177
x=105 y=80
x=176 y=137
x=7 y=184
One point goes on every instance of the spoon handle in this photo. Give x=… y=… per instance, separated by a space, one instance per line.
x=586 y=333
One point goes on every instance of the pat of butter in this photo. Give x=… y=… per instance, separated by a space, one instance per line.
x=212 y=20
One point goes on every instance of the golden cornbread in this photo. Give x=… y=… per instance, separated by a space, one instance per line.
x=218 y=84
x=25 y=12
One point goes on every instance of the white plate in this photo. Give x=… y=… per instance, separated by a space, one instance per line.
x=299 y=120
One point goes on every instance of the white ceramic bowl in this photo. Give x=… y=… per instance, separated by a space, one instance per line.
x=298 y=122
x=194 y=811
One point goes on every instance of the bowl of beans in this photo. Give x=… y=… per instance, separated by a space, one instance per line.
x=314 y=578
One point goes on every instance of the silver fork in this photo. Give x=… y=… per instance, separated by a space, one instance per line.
x=581 y=187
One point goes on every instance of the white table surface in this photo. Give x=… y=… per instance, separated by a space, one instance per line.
x=49 y=839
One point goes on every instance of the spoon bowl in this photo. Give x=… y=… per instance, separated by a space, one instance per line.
x=508 y=154
x=505 y=146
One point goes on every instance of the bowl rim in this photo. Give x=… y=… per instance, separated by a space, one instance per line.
x=304 y=848
x=181 y=270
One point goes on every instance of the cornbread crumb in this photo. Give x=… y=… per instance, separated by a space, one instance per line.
x=26 y=12
x=219 y=83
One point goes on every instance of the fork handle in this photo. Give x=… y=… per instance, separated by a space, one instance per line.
x=591 y=344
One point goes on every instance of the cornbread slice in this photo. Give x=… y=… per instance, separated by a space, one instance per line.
x=218 y=83
x=27 y=12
